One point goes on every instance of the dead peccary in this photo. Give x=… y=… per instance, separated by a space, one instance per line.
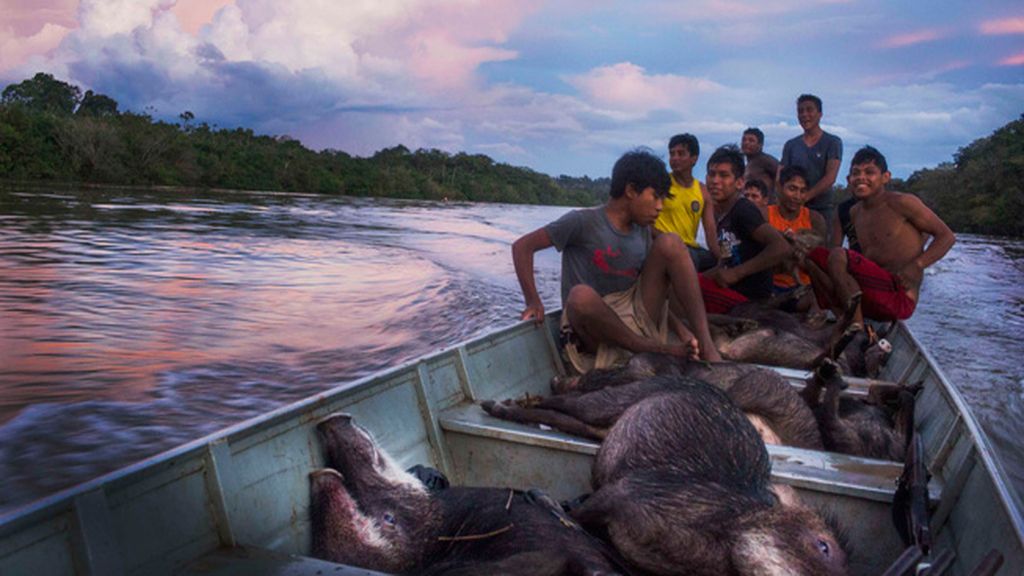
x=589 y=405
x=877 y=428
x=757 y=333
x=682 y=487
x=365 y=511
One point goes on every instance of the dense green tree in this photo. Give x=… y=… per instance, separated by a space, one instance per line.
x=48 y=131
x=982 y=190
x=94 y=104
x=43 y=93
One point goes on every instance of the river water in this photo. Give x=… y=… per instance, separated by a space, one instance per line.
x=133 y=322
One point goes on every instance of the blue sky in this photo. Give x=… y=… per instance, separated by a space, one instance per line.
x=560 y=87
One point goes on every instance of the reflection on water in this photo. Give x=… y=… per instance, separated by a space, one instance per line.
x=132 y=324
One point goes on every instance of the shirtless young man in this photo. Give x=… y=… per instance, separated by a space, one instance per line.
x=892 y=229
x=616 y=277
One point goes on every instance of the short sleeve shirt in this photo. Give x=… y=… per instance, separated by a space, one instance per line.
x=813 y=160
x=595 y=253
x=736 y=237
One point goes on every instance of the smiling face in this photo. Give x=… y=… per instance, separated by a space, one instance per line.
x=793 y=194
x=867 y=180
x=722 y=183
x=808 y=115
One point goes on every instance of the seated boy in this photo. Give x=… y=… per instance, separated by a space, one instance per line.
x=757 y=192
x=688 y=206
x=616 y=277
x=803 y=227
x=892 y=229
x=750 y=246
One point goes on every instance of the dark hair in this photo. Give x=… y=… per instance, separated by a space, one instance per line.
x=643 y=169
x=790 y=172
x=809 y=98
x=870 y=154
x=759 y=184
x=756 y=132
x=729 y=154
x=688 y=140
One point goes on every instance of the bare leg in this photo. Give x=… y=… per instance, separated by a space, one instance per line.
x=823 y=285
x=669 y=270
x=845 y=286
x=594 y=322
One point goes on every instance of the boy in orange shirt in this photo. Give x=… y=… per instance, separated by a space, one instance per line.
x=804 y=227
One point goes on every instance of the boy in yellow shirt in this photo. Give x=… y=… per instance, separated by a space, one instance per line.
x=688 y=204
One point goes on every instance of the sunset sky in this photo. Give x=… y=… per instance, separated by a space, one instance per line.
x=561 y=87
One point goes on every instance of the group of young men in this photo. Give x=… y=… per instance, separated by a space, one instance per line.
x=635 y=279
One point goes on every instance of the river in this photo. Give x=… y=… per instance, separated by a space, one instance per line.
x=133 y=322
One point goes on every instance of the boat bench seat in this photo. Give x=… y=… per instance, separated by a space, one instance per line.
x=858 y=387
x=252 y=561
x=803 y=469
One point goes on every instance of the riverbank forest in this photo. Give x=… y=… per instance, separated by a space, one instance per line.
x=51 y=132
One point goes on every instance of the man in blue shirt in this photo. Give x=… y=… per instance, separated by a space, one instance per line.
x=818 y=153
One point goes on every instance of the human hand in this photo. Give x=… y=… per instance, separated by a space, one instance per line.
x=721 y=276
x=533 y=312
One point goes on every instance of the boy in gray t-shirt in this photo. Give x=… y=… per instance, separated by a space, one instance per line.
x=616 y=278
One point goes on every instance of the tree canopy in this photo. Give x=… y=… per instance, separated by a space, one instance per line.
x=49 y=131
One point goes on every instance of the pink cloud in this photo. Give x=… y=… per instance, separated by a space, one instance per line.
x=26 y=18
x=911 y=38
x=33 y=28
x=626 y=87
x=1004 y=26
x=17 y=50
x=193 y=14
x=1016 y=60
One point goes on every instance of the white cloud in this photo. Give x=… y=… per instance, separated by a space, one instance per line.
x=627 y=88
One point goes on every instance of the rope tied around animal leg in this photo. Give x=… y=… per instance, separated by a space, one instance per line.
x=471 y=537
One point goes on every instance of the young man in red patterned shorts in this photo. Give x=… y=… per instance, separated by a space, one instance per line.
x=892 y=229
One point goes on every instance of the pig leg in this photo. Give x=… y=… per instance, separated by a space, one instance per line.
x=837 y=434
x=552 y=418
x=771 y=398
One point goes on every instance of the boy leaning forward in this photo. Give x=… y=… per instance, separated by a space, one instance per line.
x=616 y=277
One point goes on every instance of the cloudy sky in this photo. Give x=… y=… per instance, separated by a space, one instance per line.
x=561 y=87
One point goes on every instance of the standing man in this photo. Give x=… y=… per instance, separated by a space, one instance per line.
x=749 y=244
x=617 y=278
x=819 y=154
x=760 y=166
x=688 y=205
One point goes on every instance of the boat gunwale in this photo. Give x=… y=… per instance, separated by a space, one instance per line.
x=63 y=502
x=982 y=445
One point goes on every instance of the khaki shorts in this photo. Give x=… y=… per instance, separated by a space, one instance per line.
x=629 y=306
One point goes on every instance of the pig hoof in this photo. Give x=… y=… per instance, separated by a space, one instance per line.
x=325 y=472
x=337 y=417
